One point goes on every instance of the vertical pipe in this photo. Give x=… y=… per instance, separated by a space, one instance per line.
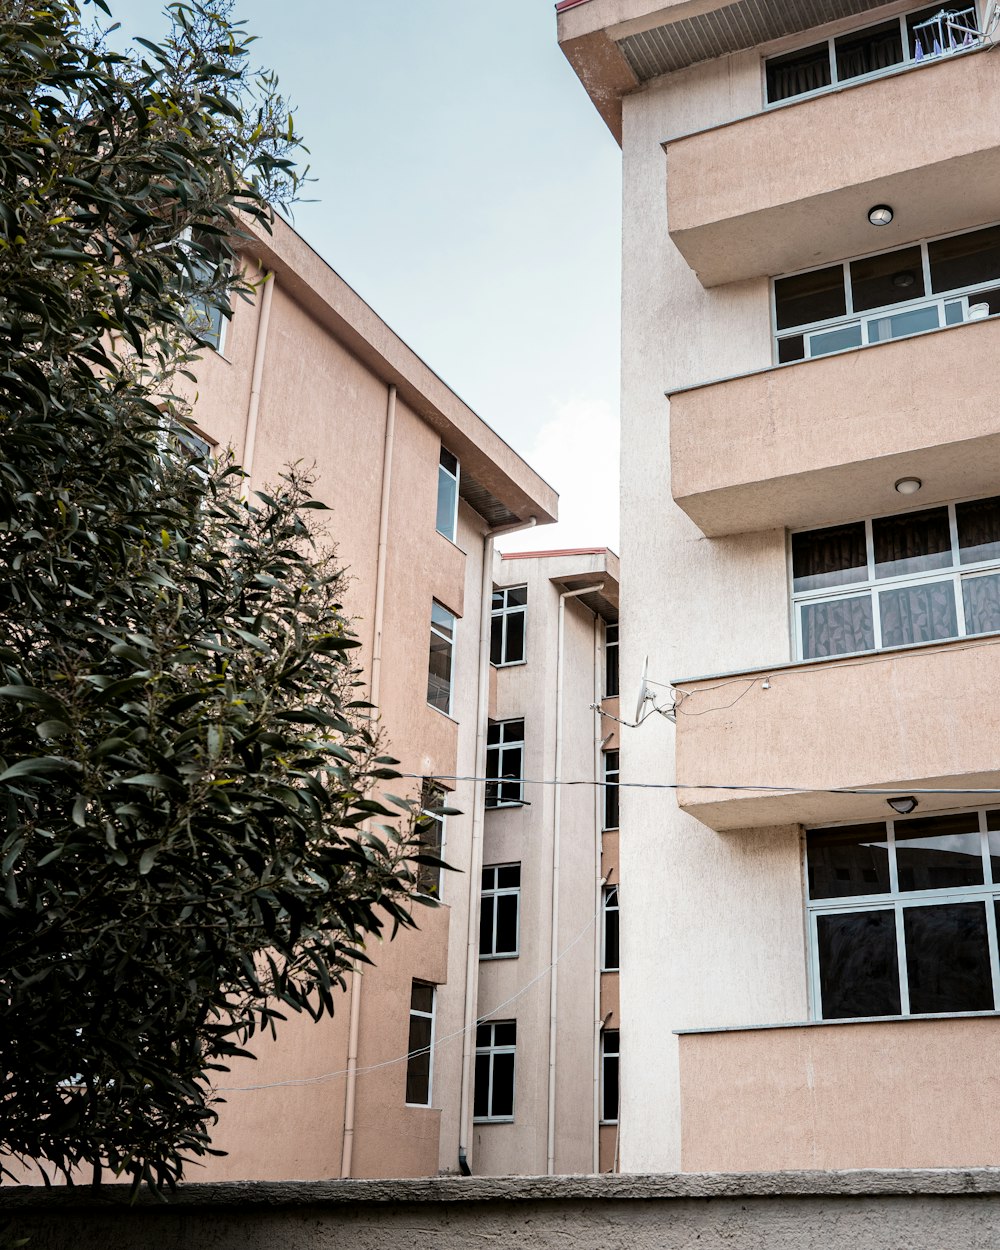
x=354 y=1011
x=599 y=893
x=257 y=378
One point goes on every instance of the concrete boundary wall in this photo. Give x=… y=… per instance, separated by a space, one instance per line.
x=863 y=1210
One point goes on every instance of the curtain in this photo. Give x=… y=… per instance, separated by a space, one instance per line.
x=978 y=529
x=807 y=73
x=837 y=627
x=918 y=614
x=912 y=543
x=829 y=557
x=866 y=56
x=981 y=596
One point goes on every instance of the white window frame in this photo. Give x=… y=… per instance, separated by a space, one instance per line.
x=907 y=63
x=611 y=778
x=610 y=903
x=961 y=297
x=432 y=794
x=503 y=614
x=957 y=573
x=897 y=901
x=444 y=472
x=436 y=632
x=611 y=648
x=492 y=1050
x=424 y=1015
x=606 y=1055
x=496 y=892
x=496 y=752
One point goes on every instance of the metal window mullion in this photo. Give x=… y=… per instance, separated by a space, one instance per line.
x=815 y=996
x=959 y=604
x=904 y=987
x=984 y=834
x=890 y=827
x=848 y=293
x=991 y=935
x=925 y=264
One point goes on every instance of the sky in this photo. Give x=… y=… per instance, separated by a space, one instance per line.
x=467 y=189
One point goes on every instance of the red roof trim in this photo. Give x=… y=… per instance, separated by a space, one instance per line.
x=563 y=5
x=566 y=551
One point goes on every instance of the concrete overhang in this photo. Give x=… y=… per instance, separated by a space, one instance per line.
x=581 y=567
x=760 y=197
x=823 y=441
x=495 y=480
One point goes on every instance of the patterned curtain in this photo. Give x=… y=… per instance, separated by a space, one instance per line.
x=912 y=543
x=978 y=529
x=981 y=596
x=918 y=614
x=829 y=557
x=799 y=76
x=837 y=627
x=870 y=55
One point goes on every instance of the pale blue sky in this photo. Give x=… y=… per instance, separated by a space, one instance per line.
x=468 y=190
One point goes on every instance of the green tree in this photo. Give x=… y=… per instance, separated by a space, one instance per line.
x=186 y=778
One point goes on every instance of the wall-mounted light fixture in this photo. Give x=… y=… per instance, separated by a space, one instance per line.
x=880 y=215
x=904 y=804
x=908 y=485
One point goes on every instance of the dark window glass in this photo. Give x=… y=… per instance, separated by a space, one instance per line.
x=947 y=958
x=809 y=297
x=610 y=661
x=790 y=349
x=506 y=924
x=418 y=1063
x=509 y=876
x=431 y=831
x=496 y=640
x=837 y=627
x=481 y=1098
x=965 y=259
x=848 y=861
x=483 y=1034
x=993 y=839
x=505 y=1032
x=939 y=852
x=978 y=530
x=911 y=614
x=493 y=734
x=868 y=51
x=517 y=596
x=807 y=69
x=449 y=462
x=422 y=996
x=611 y=1047
x=890 y=278
x=611 y=789
x=611 y=930
x=514 y=651
x=915 y=542
x=858 y=967
x=835 y=556
x=503 y=1085
x=486 y=922
x=504 y=759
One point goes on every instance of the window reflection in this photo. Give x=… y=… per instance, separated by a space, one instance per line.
x=947 y=958
x=858 y=967
x=848 y=861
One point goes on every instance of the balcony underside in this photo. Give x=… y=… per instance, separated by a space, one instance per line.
x=824 y=441
x=791 y=188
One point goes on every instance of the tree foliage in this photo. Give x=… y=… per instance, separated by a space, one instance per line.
x=186 y=777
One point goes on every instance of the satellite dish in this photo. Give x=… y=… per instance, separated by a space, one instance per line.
x=645 y=694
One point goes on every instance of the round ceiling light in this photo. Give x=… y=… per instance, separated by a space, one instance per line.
x=880 y=215
x=908 y=485
x=903 y=280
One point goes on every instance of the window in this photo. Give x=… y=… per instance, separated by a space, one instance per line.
x=903 y=916
x=496 y=1043
x=500 y=911
x=894 y=581
x=420 y=1052
x=871 y=51
x=447 y=501
x=507 y=626
x=610 y=1057
x=927 y=286
x=505 y=763
x=441 y=658
x=205 y=316
x=609 y=933
x=610 y=661
x=611 y=789
x=432 y=797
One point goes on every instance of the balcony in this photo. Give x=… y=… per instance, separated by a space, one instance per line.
x=791 y=187
x=823 y=441
x=903 y=720
x=867 y=1095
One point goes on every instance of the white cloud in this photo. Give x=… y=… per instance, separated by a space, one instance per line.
x=576 y=451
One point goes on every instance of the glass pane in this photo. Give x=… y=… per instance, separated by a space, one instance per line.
x=912 y=614
x=808 y=69
x=513 y=731
x=421 y=997
x=611 y=947
x=978 y=530
x=486 y=925
x=858 y=968
x=517 y=596
x=498 y=601
x=509 y=876
x=483 y=1034
x=993 y=838
x=837 y=627
x=439 y=674
x=954 y=312
x=609 y=1084
x=449 y=462
x=915 y=542
x=496 y=640
x=493 y=733
x=418 y=1067
x=939 y=852
x=481 y=1098
x=848 y=861
x=823 y=342
x=809 y=297
x=611 y=803
x=793 y=348
x=965 y=259
x=867 y=52
x=442 y=620
x=835 y=556
x=887 y=279
x=515 y=638
x=948 y=958
x=981 y=601
x=899 y=325
x=506 y=924
x=447 y=501
x=505 y=1033
x=503 y=1085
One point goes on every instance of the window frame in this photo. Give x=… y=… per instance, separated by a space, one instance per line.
x=456 y=477
x=495 y=892
x=612 y=790
x=436 y=633
x=610 y=905
x=433 y=794
x=422 y=1015
x=957 y=572
x=899 y=901
x=611 y=654
x=502 y=614
x=492 y=1050
x=496 y=750
x=963 y=295
x=909 y=62
x=607 y=1057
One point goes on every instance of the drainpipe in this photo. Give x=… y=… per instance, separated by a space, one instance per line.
x=354 y=1011
x=253 y=408
x=550 y=1153
x=476 y=850
x=598 y=865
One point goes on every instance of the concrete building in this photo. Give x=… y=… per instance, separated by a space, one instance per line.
x=811 y=554
x=546 y=1097
x=419 y=488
